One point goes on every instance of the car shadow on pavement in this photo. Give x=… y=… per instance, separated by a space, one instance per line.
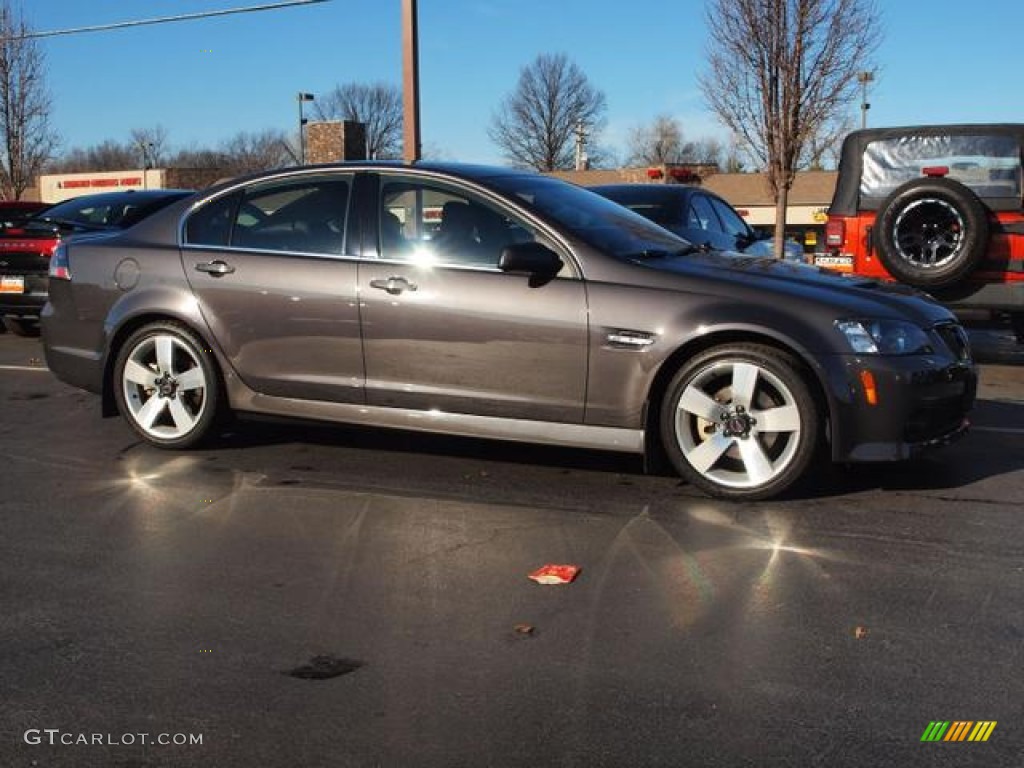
x=987 y=451
x=260 y=431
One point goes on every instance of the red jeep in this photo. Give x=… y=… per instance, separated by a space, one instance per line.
x=939 y=207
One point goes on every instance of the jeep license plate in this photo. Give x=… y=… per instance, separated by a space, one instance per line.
x=842 y=263
x=12 y=284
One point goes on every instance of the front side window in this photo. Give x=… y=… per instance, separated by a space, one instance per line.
x=989 y=164
x=294 y=215
x=429 y=223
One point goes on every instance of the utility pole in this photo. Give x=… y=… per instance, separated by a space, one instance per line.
x=864 y=78
x=410 y=83
x=301 y=97
x=581 y=146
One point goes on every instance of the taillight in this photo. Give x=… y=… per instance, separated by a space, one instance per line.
x=835 y=233
x=60 y=267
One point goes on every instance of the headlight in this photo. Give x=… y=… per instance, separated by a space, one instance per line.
x=884 y=337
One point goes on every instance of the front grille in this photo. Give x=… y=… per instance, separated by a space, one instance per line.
x=955 y=339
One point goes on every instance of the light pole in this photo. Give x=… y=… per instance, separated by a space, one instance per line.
x=301 y=97
x=864 y=78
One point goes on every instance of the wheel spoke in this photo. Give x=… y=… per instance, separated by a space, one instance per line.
x=783 y=419
x=150 y=412
x=707 y=453
x=183 y=420
x=139 y=374
x=758 y=465
x=191 y=379
x=699 y=404
x=744 y=381
x=165 y=354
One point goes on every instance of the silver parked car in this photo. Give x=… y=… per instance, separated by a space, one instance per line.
x=489 y=302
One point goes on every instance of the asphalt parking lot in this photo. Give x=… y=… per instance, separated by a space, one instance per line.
x=309 y=595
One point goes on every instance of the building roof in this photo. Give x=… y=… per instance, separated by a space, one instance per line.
x=751 y=189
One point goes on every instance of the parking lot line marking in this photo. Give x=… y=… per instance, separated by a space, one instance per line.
x=1004 y=430
x=23 y=368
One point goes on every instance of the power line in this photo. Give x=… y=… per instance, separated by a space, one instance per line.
x=165 y=19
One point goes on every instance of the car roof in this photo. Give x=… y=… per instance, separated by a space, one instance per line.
x=648 y=191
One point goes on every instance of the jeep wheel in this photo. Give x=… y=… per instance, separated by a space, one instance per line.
x=739 y=422
x=930 y=233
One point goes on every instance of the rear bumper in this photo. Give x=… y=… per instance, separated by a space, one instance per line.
x=922 y=404
x=68 y=355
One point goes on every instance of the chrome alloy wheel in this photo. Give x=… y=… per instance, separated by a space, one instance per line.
x=928 y=233
x=738 y=424
x=164 y=387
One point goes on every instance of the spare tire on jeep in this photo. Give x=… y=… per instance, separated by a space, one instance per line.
x=931 y=232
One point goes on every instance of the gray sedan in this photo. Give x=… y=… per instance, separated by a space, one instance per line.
x=493 y=303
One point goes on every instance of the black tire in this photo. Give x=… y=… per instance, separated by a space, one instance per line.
x=712 y=436
x=931 y=233
x=21 y=326
x=182 y=404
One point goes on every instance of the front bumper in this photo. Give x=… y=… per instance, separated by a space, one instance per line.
x=922 y=403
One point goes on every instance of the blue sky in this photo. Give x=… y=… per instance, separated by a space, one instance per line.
x=203 y=81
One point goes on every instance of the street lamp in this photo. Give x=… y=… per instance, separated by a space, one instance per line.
x=864 y=78
x=301 y=97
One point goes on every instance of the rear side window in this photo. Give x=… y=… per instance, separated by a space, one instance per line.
x=989 y=165
x=731 y=221
x=292 y=216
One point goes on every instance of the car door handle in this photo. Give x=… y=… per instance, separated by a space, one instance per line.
x=393 y=285
x=215 y=268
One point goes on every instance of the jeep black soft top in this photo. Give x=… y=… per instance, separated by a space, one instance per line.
x=848 y=199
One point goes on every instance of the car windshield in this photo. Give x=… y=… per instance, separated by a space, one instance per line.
x=596 y=220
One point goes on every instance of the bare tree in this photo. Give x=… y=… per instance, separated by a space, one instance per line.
x=536 y=124
x=250 y=152
x=108 y=155
x=151 y=144
x=822 y=150
x=658 y=142
x=28 y=142
x=377 y=106
x=780 y=70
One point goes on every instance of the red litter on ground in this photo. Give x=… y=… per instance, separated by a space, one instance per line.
x=555 y=574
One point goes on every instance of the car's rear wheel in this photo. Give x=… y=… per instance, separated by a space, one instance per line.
x=931 y=232
x=167 y=386
x=21 y=326
x=739 y=422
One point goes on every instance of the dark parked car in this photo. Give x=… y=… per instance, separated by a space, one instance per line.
x=696 y=215
x=534 y=311
x=26 y=245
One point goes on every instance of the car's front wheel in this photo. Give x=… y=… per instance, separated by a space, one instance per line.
x=167 y=385
x=739 y=422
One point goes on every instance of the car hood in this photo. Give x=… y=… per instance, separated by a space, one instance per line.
x=855 y=296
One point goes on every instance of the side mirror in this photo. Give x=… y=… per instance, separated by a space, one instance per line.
x=530 y=258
